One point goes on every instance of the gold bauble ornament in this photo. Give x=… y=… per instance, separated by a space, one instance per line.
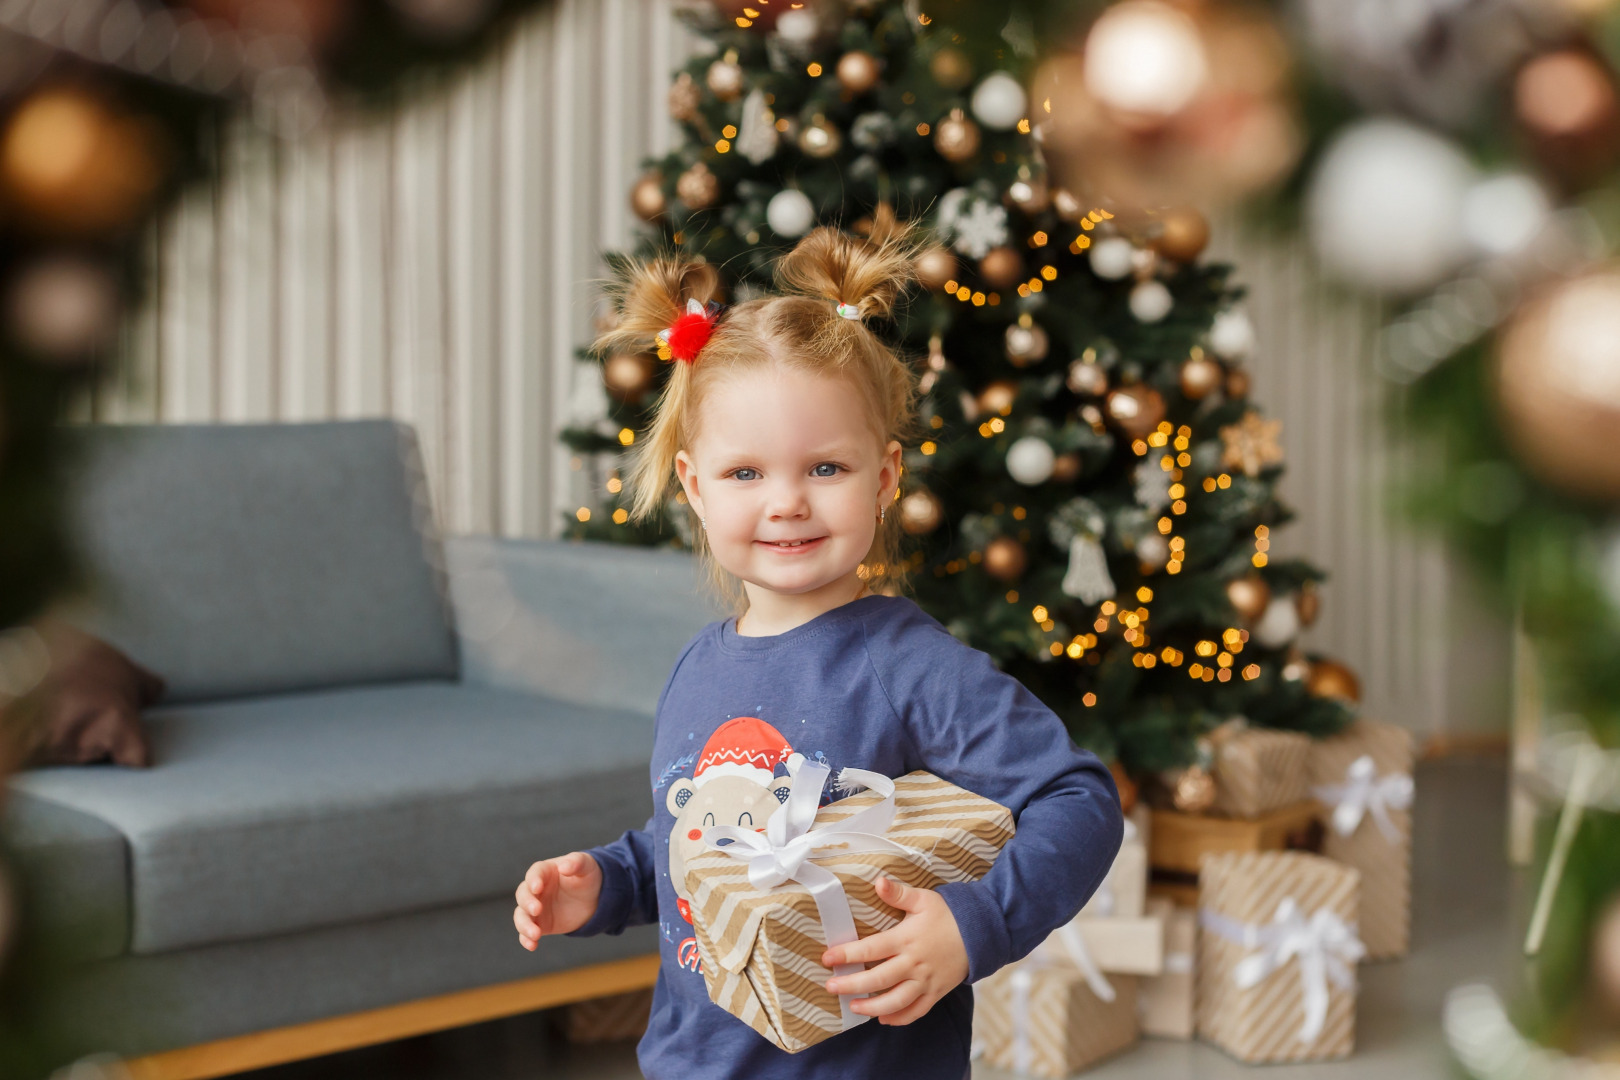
x=1067 y=204
x=628 y=376
x=1308 y=602
x=1135 y=410
x=921 y=512
x=1193 y=790
x=1005 y=559
x=1087 y=377
x=1066 y=468
x=1237 y=384
x=69 y=163
x=1182 y=235
x=857 y=72
x=820 y=139
x=698 y=188
x=647 y=197
x=1125 y=785
x=1001 y=268
x=1557 y=393
x=951 y=68
x=1605 y=953
x=725 y=78
x=1566 y=104
x=1030 y=196
x=935 y=266
x=1331 y=679
x=1248 y=596
x=997 y=398
x=684 y=98
x=1200 y=377
x=1026 y=342
x=956 y=137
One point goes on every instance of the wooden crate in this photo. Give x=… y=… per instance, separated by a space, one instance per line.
x=1180 y=841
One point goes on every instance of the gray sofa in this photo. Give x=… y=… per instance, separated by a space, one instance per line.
x=368 y=733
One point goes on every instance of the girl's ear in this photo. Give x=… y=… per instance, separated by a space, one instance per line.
x=686 y=472
x=888 y=473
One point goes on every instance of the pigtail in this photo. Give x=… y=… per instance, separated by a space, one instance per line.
x=651 y=296
x=867 y=275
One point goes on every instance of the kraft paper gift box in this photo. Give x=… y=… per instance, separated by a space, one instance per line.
x=1363 y=778
x=1258 y=770
x=761 y=932
x=1277 y=954
x=1048 y=1020
x=1123 y=892
x=1165 y=1003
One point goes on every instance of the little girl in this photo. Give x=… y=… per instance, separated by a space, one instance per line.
x=783 y=420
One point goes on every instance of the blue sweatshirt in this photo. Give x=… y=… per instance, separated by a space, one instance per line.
x=875 y=684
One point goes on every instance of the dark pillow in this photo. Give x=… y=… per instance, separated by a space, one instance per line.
x=88 y=706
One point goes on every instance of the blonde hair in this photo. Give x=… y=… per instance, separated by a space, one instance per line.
x=800 y=327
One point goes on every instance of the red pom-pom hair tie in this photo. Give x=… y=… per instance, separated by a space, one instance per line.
x=691 y=331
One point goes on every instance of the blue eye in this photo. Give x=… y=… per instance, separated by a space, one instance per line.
x=738 y=473
x=826 y=465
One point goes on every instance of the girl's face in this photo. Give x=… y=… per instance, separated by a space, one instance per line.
x=789 y=476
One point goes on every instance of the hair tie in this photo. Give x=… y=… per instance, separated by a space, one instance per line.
x=685 y=338
x=849 y=311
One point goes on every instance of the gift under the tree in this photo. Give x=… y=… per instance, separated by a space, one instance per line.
x=1258 y=770
x=1054 y=1012
x=1123 y=892
x=1165 y=1002
x=1277 y=955
x=767 y=904
x=1363 y=778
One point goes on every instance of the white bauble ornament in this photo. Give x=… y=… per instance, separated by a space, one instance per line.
x=1503 y=214
x=1112 y=257
x=1144 y=56
x=1029 y=460
x=1279 y=623
x=797 y=28
x=1150 y=301
x=1385 y=208
x=999 y=101
x=790 y=213
x=1231 y=336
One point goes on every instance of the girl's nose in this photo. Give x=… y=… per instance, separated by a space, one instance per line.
x=787 y=500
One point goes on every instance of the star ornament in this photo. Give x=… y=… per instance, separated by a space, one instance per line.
x=1251 y=444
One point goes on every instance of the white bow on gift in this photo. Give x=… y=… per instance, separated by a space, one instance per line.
x=1364 y=793
x=1325 y=946
x=783 y=852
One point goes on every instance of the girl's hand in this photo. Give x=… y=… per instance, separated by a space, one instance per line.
x=557 y=896
x=923 y=958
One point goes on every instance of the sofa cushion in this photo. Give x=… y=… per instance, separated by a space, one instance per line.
x=253 y=559
x=76 y=870
x=297 y=811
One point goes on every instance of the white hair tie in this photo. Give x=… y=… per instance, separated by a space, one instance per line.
x=849 y=311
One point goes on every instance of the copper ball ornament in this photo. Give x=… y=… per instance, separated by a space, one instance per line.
x=1087 y=378
x=997 y=398
x=934 y=267
x=1248 y=596
x=1192 y=790
x=820 y=138
x=1067 y=204
x=698 y=188
x=1331 y=679
x=1237 y=384
x=628 y=376
x=951 y=68
x=956 y=137
x=1135 y=410
x=684 y=98
x=1027 y=342
x=1001 y=268
x=858 y=71
x=1030 y=196
x=1308 y=602
x=725 y=79
x=921 y=512
x=1005 y=559
x=70 y=163
x=647 y=199
x=1183 y=234
x=1566 y=103
x=1200 y=377
x=1066 y=468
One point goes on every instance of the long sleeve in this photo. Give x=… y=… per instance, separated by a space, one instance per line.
x=981 y=729
x=629 y=897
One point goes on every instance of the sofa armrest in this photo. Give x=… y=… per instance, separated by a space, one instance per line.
x=592 y=623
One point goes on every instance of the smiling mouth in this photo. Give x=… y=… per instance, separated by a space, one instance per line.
x=790 y=545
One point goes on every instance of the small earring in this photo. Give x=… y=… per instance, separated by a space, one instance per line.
x=883 y=513
x=705 y=523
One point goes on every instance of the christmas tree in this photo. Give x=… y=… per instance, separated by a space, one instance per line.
x=1094 y=502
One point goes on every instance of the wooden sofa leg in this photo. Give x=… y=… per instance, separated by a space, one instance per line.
x=319 y=1037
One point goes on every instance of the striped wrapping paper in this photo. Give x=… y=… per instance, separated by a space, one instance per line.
x=1258 y=770
x=761 y=950
x=1066 y=1026
x=1165 y=1002
x=1263 y=1023
x=1385 y=862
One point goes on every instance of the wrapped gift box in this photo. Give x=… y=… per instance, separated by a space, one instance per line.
x=1261 y=915
x=1123 y=892
x=1165 y=1003
x=1047 y=1020
x=1258 y=770
x=1363 y=778
x=760 y=948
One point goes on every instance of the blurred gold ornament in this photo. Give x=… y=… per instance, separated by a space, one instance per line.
x=628 y=376
x=997 y=398
x=68 y=163
x=684 y=98
x=1331 y=679
x=935 y=266
x=64 y=308
x=1152 y=552
x=725 y=78
x=1126 y=786
x=1005 y=559
x=1566 y=103
x=1026 y=342
x=1068 y=207
x=858 y=71
x=1066 y=468
x=1183 y=234
x=1308 y=602
x=921 y=512
x=1001 y=268
x=1193 y=790
x=1558 y=384
x=1135 y=410
x=1248 y=596
x=1605 y=953
x=951 y=68
x=1200 y=377
x=1251 y=444
x=1030 y=196
x=819 y=138
x=1237 y=384
x=1087 y=377
x=647 y=197
x=956 y=137
x=698 y=188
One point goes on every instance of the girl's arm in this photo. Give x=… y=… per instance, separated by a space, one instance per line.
x=629 y=884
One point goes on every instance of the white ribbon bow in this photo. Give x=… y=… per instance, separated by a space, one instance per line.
x=783 y=852
x=1365 y=793
x=1325 y=946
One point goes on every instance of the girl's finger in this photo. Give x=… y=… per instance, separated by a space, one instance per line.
x=525 y=925
x=915 y=1011
x=889 y=973
x=891 y=1001
x=879 y=946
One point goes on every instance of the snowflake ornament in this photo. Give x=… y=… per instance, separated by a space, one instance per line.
x=1251 y=444
x=974 y=225
x=1152 y=486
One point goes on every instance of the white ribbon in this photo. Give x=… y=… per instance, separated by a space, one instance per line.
x=1364 y=793
x=1325 y=946
x=783 y=852
x=1022 y=979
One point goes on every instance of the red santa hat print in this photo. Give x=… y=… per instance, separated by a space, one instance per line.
x=744 y=746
